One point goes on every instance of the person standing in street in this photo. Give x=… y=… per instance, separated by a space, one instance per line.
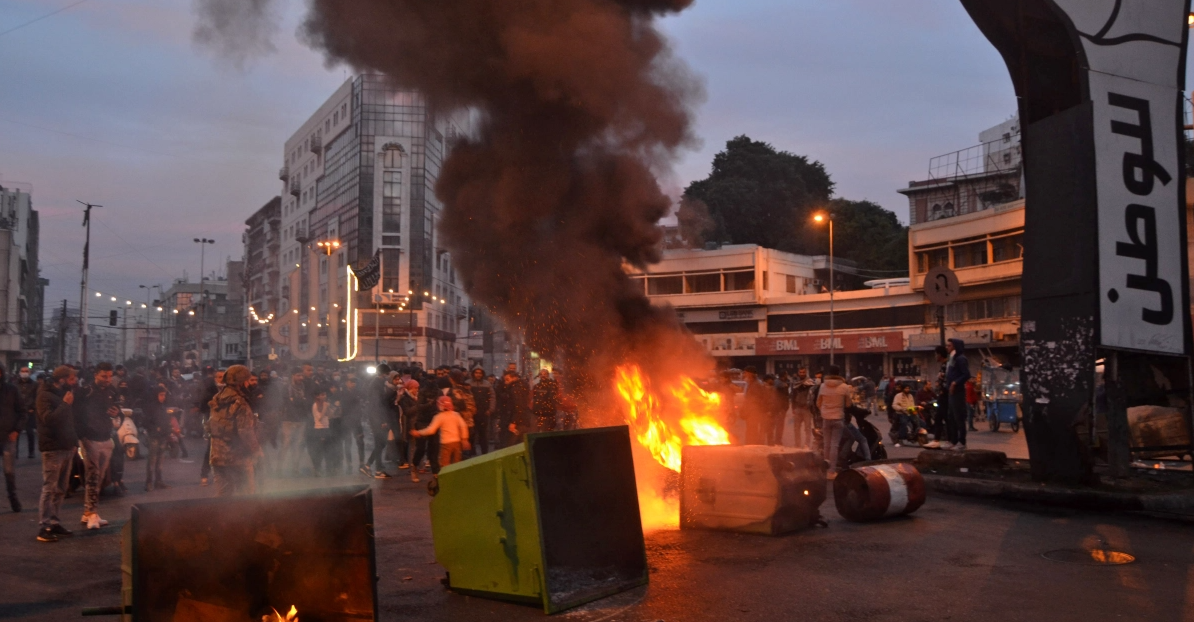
x=295 y=412
x=484 y=403
x=12 y=420
x=802 y=416
x=783 y=399
x=232 y=426
x=213 y=386
x=58 y=442
x=352 y=421
x=756 y=407
x=545 y=401
x=100 y=406
x=971 y=404
x=155 y=419
x=957 y=373
x=832 y=400
x=27 y=387
x=513 y=408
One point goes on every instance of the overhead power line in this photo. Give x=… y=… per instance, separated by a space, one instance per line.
x=38 y=19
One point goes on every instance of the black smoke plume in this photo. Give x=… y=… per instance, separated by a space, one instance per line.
x=581 y=106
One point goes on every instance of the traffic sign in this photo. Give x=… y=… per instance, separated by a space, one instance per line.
x=941 y=286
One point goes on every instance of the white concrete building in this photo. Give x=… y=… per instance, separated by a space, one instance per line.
x=21 y=286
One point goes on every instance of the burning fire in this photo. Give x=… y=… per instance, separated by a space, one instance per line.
x=683 y=414
x=291 y=616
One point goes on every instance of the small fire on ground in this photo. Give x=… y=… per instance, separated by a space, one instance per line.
x=665 y=417
x=291 y=616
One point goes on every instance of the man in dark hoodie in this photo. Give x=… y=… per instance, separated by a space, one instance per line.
x=57 y=441
x=12 y=421
x=957 y=372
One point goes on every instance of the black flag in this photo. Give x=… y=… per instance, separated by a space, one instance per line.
x=369 y=274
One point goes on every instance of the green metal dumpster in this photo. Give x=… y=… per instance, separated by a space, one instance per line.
x=552 y=522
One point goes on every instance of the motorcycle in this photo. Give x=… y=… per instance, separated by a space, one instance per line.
x=851 y=450
x=919 y=436
x=126 y=434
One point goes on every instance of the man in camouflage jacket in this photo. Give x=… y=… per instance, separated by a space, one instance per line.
x=232 y=425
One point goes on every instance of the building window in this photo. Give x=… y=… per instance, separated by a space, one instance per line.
x=702 y=283
x=1007 y=248
x=969 y=255
x=665 y=285
x=904 y=366
x=740 y=281
x=766 y=287
x=927 y=260
x=790 y=283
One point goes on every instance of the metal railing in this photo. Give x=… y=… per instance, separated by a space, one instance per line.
x=997 y=156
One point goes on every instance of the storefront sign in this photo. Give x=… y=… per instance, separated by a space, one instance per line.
x=720 y=315
x=929 y=341
x=891 y=341
x=30 y=355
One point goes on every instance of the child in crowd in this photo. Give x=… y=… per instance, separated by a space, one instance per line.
x=453 y=432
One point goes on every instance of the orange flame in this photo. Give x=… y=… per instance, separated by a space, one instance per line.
x=664 y=427
x=292 y=616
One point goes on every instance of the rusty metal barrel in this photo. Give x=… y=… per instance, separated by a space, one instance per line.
x=873 y=492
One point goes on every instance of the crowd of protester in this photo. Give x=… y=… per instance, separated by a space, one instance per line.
x=937 y=415
x=243 y=428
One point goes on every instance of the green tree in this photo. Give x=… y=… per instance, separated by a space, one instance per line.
x=758 y=195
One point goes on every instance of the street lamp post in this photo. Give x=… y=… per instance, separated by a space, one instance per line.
x=202 y=242
x=832 y=343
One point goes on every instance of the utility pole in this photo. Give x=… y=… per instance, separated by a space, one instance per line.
x=124 y=334
x=83 y=287
x=202 y=242
x=62 y=335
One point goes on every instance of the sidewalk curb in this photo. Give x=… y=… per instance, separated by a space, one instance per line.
x=1059 y=496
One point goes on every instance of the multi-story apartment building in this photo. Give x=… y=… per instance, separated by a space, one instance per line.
x=263 y=245
x=358 y=179
x=205 y=324
x=972 y=179
x=22 y=290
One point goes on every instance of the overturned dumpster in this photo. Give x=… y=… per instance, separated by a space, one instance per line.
x=552 y=522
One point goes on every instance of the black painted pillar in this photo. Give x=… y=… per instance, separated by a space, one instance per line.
x=1099 y=88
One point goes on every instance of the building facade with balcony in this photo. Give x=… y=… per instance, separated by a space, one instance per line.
x=756 y=306
x=970 y=180
x=204 y=324
x=361 y=173
x=22 y=290
x=262 y=278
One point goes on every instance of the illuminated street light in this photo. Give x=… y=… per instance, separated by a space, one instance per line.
x=819 y=218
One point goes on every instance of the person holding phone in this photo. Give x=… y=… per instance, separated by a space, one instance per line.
x=57 y=441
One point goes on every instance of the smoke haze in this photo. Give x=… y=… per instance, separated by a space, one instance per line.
x=236 y=30
x=581 y=106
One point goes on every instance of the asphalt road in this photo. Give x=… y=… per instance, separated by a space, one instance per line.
x=955 y=559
